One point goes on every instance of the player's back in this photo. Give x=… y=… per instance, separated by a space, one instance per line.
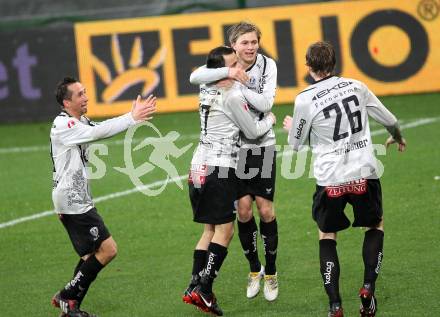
x=335 y=109
x=219 y=135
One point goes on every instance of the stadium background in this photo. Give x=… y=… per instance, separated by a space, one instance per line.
x=391 y=45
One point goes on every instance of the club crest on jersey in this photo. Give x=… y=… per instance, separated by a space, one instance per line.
x=94 y=232
x=70 y=124
x=252 y=80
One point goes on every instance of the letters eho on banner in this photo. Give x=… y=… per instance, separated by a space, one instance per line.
x=386 y=44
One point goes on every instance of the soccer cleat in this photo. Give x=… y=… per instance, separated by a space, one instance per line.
x=253 y=286
x=368 y=306
x=206 y=302
x=187 y=298
x=69 y=307
x=335 y=310
x=271 y=287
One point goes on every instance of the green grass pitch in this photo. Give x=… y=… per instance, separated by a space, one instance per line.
x=156 y=235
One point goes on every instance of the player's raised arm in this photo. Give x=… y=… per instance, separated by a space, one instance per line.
x=74 y=132
x=204 y=75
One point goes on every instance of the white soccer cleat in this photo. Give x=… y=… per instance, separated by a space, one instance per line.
x=253 y=286
x=271 y=287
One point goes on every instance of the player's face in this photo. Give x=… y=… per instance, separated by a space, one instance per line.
x=230 y=60
x=77 y=105
x=246 y=47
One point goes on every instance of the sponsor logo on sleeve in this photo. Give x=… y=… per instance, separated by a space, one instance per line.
x=299 y=128
x=70 y=124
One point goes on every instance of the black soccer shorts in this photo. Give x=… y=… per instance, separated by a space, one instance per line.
x=329 y=203
x=213 y=192
x=256 y=172
x=86 y=231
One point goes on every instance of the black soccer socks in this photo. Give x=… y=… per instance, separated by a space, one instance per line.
x=372 y=253
x=199 y=261
x=80 y=262
x=215 y=257
x=84 y=291
x=86 y=274
x=269 y=234
x=329 y=262
x=248 y=233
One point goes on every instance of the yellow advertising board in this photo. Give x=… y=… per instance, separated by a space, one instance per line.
x=391 y=45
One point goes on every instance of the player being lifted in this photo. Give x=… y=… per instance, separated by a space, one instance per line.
x=332 y=115
x=213 y=184
x=259 y=75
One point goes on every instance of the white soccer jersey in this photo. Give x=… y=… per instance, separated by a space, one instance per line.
x=223 y=114
x=259 y=92
x=332 y=115
x=68 y=141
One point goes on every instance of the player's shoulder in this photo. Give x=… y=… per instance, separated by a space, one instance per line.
x=306 y=94
x=63 y=120
x=233 y=94
x=346 y=81
x=264 y=58
x=264 y=63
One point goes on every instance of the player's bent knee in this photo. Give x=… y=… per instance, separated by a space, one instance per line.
x=245 y=214
x=267 y=213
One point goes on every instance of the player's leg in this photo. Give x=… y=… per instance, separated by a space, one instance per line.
x=329 y=267
x=199 y=261
x=93 y=242
x=247 y=170
x=367 y=209
x=372 y=254
x=263 y=186
x=269 y=234
x=248 y=233
x=217 y=252
x=89 y=270
x=219 y=211
x=328 y=213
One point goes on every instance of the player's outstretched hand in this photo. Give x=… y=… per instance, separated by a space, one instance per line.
x=143 y=109
x=238 y=74
x=401 y=144
x=287 y=123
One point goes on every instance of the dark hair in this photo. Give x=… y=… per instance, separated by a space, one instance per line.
x=237 y=30
x=321 y=58
x=62 y=92
x=215 y=57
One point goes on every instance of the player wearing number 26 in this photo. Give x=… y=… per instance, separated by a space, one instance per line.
x=332 y=116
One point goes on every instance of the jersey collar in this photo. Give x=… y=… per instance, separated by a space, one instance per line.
x=252 y=66
x=325 y=78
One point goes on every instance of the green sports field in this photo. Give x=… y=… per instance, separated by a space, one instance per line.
x=156 y=235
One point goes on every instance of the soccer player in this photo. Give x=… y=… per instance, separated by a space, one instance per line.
x=332 y=115
x=224 y=112
x=69 y=137
x=259 y=75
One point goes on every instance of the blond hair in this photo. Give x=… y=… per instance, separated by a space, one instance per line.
x=243 y=27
